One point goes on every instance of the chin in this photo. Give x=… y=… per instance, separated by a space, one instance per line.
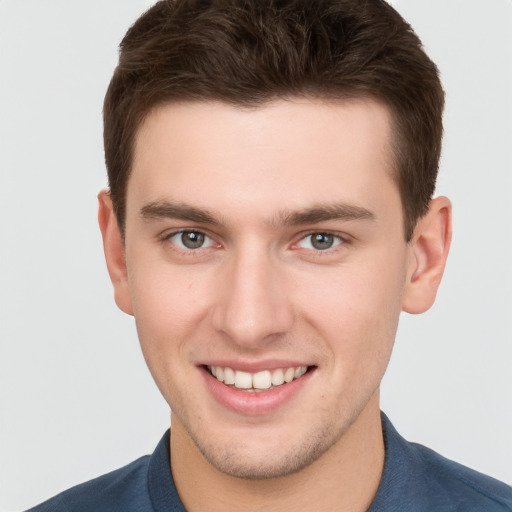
x=275 y=460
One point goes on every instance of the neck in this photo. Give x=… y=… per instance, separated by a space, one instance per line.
x=344 y=478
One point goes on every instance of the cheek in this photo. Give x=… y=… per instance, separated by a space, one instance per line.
x=167 y=305
x=165 y=298
x=357 y=310
x=165 y=310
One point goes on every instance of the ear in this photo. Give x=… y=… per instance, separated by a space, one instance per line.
x=113 y=246
x=428 y=252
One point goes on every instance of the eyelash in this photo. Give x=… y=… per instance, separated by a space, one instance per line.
x=338 y=240
x=169 y=236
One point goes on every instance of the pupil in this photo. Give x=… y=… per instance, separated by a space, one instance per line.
x=192 y=240
x=322 y=241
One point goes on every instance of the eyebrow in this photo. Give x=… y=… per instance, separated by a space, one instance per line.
x=322 y=213
x=167 y=210
x=318 y=213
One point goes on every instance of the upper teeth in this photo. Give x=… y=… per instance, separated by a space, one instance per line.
x=260 y=380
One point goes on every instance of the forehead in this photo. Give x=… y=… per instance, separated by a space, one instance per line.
x=283 y=155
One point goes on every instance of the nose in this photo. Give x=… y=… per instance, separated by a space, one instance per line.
x=252 y=308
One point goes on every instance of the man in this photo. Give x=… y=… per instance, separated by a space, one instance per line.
x=270 y=214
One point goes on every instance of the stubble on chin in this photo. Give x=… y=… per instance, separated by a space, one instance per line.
x=246 y=462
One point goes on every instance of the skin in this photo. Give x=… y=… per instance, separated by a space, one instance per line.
x=258 y=294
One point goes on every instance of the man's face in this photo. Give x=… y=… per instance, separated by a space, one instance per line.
x=261 y=242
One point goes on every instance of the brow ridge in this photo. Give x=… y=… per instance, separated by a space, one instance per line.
x=326 y=212
x=312 y=215
x=168 y=210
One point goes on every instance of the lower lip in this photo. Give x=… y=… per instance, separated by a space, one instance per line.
x=253 y=403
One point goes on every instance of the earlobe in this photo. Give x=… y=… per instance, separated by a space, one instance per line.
x=428 y=252
x=113 y=246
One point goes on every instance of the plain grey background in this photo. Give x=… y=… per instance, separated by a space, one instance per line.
x=76 y=399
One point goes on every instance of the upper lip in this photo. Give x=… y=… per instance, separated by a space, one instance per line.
x=255 y=366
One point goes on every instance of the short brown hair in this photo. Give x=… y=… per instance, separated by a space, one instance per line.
x=249 y=52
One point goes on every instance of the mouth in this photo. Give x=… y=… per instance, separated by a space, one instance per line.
x=257 y=393
x=265 y=380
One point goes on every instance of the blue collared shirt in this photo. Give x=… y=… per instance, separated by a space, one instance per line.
x=415 y=479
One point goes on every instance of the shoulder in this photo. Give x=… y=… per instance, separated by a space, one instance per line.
x=418 y=479
x=144 y=485
x=123 y=489
x=468 y=488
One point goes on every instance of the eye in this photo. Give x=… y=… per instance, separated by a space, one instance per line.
x=320 y=241
x=190 y=240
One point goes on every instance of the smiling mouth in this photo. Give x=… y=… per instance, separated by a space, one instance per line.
x=256 y=382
